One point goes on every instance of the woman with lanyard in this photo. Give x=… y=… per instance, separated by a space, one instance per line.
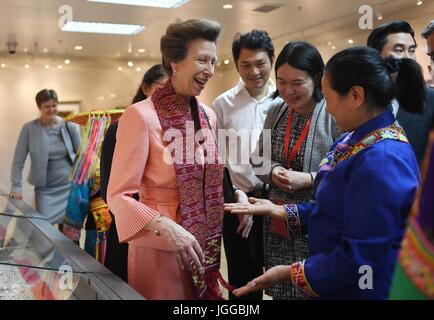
x=301 y=133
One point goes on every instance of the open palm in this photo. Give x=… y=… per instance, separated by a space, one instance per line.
x=254 y=207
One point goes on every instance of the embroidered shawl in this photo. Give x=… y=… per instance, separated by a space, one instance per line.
x=200 y=185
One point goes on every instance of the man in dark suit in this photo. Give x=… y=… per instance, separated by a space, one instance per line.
x=428 y=34
x=396 y=39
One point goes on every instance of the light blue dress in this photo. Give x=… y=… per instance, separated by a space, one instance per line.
x=51 y=199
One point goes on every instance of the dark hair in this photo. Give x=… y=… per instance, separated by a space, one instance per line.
x=378 y=37
x=253 y=40
x=45 y=95
x=364 y=67
x=173 y=44
x=303 y=56
x=428 y=30
x=153 y=74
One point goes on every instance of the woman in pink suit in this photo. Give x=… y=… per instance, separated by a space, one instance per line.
x=166 y=153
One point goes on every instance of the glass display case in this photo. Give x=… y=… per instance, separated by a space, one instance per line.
x=37 y=262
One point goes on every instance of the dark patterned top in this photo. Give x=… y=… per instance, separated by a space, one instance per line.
x=283 y=250
x=278 y=154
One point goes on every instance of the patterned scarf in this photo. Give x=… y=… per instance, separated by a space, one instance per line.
x=200 y=186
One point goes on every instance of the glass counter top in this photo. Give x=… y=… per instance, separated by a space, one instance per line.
x=6 y=207
x=24 y=245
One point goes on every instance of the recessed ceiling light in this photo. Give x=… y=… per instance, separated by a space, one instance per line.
x=419 y=3
x=130 y=64
x=226 y=61
x=67 y=61
x=3 y=65
x=138 y=69
x=147 y=3
x=47 y=66
x=329 y=43
x=25 y=50
x=60 y=66
x=120 y=68
x=105 y=28
x=380 y=17
x=350 y=41
x=26 y=66
x=112 y=95
x=228 y=6
x=334 y=47
x=141 y=50
x=78 y=48
x=45 y=50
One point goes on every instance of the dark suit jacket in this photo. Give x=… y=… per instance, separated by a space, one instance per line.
x=107 y=150
x=418 y=126
x=116 y=253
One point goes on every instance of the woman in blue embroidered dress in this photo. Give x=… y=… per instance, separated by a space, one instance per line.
x=301 y=133
x=364 y=189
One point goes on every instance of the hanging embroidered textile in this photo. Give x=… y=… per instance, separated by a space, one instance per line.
x=86 y=207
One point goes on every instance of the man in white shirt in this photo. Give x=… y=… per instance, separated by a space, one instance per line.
x=242 y=111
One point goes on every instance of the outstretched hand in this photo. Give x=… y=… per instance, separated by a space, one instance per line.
x=16 y=195
x=271 y=277
x=256 y=206
x=246 y=222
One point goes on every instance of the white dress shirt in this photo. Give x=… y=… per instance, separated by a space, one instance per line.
x=244 y=116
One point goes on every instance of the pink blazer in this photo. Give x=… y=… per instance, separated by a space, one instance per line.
x=138 y=167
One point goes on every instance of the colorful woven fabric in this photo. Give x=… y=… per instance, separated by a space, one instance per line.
x=344 y=150
x=90 y=148
x=414 y=274
x=200 y=186
x=298 y=278
x=292 y=218
x=100 y=211
x=83 y=117
x=84 y=201
x=77 y=206
x=416 y=259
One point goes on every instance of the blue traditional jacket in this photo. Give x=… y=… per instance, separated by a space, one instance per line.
x=364 y=193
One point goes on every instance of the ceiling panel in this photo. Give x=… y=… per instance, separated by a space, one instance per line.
x=36 y=21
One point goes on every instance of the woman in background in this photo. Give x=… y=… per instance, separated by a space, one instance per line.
x=52 y=144
x=153 y=79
